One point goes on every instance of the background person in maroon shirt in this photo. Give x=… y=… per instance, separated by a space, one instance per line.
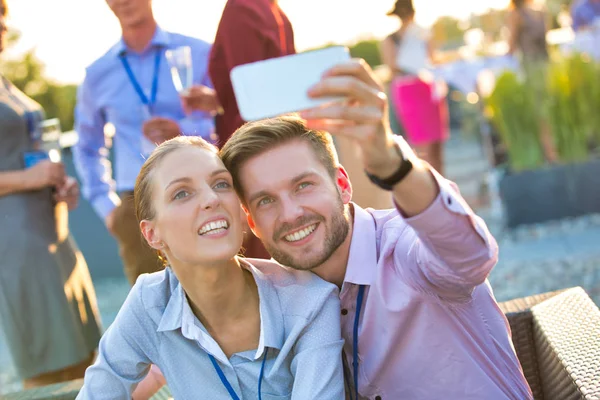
x=249 y=30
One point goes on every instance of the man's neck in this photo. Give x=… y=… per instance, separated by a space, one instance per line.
x=219 y=295
x=334 y=269
x=139 y=36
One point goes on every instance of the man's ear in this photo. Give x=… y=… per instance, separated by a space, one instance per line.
x=151 y=234
x=251 y=223
x=344 y=185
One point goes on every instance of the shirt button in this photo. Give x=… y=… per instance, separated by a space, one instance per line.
x=344 y=311
x=377 y=397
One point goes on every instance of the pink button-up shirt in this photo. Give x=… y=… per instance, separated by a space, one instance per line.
x=430 y=327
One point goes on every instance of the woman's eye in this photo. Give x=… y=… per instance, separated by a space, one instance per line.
x=180 y=195
x=222 y=185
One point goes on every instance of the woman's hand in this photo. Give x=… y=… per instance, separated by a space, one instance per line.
x=44 y=174
x=68 y=192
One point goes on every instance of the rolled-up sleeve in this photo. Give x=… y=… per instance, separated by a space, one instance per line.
x=452 y=249
x=125 y=353
x=90 y=154
x=317 y=363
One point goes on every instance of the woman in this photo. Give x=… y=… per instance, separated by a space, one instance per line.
x=423 y=119
x=217 y=325
x=527 y=25
x=47 y=302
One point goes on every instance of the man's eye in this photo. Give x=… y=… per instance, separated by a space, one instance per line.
x=180 y=195
x=304 y=185
x=265 y=201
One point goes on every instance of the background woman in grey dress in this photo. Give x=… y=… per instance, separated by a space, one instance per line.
x=48 y=306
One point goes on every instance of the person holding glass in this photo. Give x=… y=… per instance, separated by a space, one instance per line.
x=217 y=325
x=131 y=88
x=48 y=309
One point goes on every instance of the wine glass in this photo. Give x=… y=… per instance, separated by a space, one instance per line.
x=50 y=131
x=180 y=63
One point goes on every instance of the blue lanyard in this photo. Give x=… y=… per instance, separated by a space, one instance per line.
x=359 y=301
x=135 y=83
x=228 y=385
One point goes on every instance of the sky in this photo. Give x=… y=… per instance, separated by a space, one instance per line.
x=68 y=35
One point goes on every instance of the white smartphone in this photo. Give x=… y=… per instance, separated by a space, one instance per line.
x=269 y=88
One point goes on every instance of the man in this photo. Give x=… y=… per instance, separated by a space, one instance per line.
x=418 y=316
x=130 y=87
x=585 y=13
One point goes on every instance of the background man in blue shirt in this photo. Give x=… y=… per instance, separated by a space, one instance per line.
x=585 y=12
x=130 y=87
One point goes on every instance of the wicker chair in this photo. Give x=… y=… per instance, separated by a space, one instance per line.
x=556 y=336
x=557 y=339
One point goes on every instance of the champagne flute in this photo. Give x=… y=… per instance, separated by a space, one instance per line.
x=180 y=63
x=50 y=131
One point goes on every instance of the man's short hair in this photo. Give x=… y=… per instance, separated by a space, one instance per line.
x=255 y=138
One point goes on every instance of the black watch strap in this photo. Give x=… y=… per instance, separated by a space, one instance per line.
x=389 y=183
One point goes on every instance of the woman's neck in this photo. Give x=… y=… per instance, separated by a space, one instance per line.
x=220 y=295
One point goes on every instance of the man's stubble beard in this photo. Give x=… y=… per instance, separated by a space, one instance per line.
x=340 y=227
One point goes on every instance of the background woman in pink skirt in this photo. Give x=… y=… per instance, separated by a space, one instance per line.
x=416 y=107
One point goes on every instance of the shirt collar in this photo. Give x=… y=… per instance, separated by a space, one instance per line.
x=178 y=315
x=172 y=316
x=161 y=38
x=272 y=331
x=363 y=249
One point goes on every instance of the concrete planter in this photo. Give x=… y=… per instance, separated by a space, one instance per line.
x=551 y=193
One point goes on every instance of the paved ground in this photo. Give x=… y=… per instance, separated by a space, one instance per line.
x=533 y=260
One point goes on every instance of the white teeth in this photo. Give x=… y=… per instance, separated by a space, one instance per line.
x=213 y=227
x=294 y=237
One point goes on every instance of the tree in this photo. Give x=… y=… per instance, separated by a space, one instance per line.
x=28 y=75
x=368 y=50
x=447 y=32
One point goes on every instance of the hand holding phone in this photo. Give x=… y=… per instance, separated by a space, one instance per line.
x=268 y=88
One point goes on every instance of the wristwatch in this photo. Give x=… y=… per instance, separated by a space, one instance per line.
x=403 y=170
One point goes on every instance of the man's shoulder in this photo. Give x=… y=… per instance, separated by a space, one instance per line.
x=292 y=284
x=179 y=39
x=252 y=8
x=102 y=64
x=387 y=218
x=108 y=57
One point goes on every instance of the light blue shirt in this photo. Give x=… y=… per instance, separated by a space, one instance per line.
x=584 y=13
x=300 y=327
x=108 y=96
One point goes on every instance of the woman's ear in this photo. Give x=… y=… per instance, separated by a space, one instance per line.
x=151 y=235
